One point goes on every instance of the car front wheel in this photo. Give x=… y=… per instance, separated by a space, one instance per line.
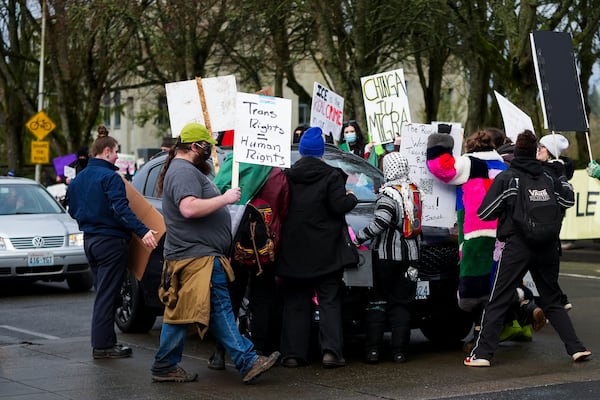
x=132 y=315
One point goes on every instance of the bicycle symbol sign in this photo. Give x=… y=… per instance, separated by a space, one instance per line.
x=40 y=125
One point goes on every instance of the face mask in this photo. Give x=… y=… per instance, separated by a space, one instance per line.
x=389 y=147
x=350 y=137
x=207 y=152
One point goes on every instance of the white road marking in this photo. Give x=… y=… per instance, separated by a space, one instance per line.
x=580 y=276
x=42 y=335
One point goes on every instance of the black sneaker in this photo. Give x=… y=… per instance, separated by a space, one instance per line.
x=117 y=351
x=177 y=375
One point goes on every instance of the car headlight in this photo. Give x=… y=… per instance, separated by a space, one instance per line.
x=2 y=244
x=76 y=240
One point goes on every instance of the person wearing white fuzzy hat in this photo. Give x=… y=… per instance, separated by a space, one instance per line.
x=549 y=152
x=551 y=146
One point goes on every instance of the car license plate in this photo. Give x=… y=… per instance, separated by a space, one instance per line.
x=40 y=259
x=422 y=290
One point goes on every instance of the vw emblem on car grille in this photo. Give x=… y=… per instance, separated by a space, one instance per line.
x=38 y=241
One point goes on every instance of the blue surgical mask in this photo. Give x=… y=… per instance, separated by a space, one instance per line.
x=389 y=147
x=350 y=137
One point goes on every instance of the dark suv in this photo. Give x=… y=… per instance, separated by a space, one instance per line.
x=434 y=310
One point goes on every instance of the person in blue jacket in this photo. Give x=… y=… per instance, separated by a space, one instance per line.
x=96 y=199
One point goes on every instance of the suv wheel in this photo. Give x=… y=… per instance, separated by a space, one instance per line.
x=80 y=282
x=447 y=327
x=132 y=315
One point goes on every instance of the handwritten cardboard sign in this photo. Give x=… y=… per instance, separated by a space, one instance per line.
x=263 y=130
x=439 y=199
x=386 y=105
x=327 y=111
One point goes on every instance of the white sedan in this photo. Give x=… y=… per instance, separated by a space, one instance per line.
x=38 y=238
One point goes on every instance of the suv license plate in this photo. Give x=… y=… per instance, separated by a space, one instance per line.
x=40 y=259
x=422 y=290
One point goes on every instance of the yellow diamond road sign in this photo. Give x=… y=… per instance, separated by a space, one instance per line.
x=40 y=125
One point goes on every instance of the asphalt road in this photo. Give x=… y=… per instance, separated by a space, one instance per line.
x=45 y=320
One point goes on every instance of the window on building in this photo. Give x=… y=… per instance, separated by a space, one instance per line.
x=303 y=113
x=163 y=111
x=106 y=110
x=117 y=100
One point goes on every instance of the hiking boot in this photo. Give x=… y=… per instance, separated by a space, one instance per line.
x=177 y=375
x=331 y=361
x=261 y=365
x=581 y=355
x=539 y=319
x=117 y=351
x=473 y=361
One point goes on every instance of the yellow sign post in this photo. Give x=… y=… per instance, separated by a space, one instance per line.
x=40 y=125
x=40 y=152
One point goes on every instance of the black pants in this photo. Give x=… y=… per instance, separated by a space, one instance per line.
x=389 y=301
x=543 y=263
x=297 y=315
x=108 y=259
x=264 y=304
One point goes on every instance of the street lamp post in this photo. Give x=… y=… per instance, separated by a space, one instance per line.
x=38 y=167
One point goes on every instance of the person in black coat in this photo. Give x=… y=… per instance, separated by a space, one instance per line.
x=313 y=253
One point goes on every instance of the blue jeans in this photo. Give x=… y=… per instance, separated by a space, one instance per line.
x=222 y=326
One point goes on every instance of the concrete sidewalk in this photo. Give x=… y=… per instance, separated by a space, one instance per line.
x=65 y=369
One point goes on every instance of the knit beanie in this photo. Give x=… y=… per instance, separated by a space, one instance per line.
x=526 y=145
x=312 y=143
x=554 y=143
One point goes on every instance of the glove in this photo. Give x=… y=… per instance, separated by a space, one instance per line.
x=593 y=169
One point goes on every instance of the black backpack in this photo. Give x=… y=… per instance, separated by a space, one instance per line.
x=253 y=243
x=536 y=213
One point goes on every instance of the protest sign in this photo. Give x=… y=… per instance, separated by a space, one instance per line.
x=558 y=81
x=386 y=105
x=125 y=163
x=263 y=130
x=61 y=162
x=220 y=93
x=185 y=100
x=582 y=221
x=439 y=199
x=327 y=111
x=515 y=120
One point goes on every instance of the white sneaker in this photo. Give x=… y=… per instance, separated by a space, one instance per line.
x=581 y=355
x=473 y=361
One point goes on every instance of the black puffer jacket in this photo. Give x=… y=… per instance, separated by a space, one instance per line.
x=312 y=243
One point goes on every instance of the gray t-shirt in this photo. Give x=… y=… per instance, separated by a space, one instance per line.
x=192 y=237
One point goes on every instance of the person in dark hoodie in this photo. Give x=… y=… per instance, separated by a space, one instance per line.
x=313 y=254
x=518 y=256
